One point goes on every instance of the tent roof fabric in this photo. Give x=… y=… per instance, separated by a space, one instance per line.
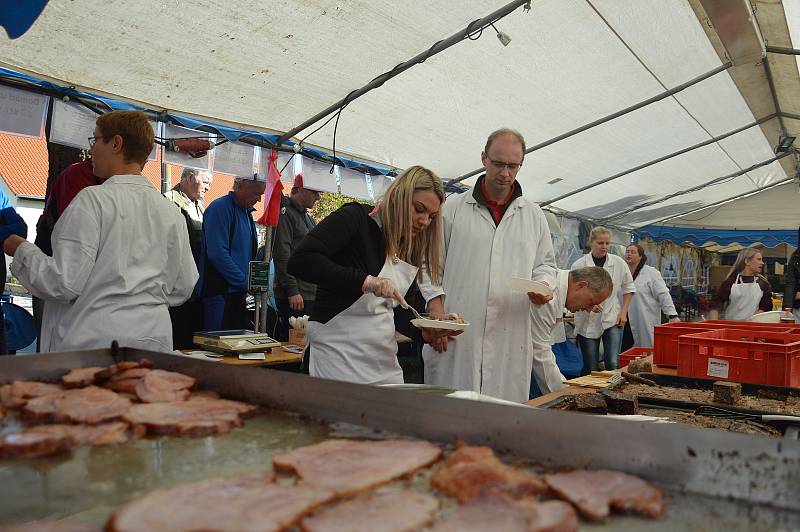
x=271 y=65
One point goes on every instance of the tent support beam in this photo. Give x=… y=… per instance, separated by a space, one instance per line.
x=440 y=46
x=790 y=115
x=610 y=117
x=714 y=181
x=771 y=83
x=781 y=50
x=732 y=198
x=659 y=160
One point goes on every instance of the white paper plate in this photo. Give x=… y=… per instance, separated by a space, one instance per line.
x=436 y=324
x=527 y=285
x=773 y=316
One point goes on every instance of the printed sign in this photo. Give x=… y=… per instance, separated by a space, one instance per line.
x=72 y=124
x=180 y=158
x=21 y=112
x=718 y=368
x=234 y=158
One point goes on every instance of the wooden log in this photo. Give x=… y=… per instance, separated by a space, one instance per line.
x=727 y=392
x=618 y=403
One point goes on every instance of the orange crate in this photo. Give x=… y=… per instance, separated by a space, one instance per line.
x=665 y=337
x=632 y=354
x=760 y=357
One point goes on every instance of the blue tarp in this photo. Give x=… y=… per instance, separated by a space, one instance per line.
x=230 y=133
x=17 y=16
x=724 y=237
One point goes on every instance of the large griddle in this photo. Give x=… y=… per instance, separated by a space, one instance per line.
x=759 y=476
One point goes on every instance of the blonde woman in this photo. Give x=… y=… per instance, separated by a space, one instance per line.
x=745 y=291
x=607 y=320
x=363 y=260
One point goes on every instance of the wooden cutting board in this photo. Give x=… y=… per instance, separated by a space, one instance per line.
x=597 y=379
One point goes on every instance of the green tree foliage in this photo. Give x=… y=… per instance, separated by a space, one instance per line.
x=330 y=201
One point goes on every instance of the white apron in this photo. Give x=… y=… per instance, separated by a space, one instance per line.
x=744 y=300
x=358 y=344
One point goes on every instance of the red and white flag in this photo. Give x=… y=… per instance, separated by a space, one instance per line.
x=273 y=192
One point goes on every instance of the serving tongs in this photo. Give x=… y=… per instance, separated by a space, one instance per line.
x=409 y=307
x=790 y=424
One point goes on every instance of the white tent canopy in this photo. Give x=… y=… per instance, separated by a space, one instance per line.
x=272 y=65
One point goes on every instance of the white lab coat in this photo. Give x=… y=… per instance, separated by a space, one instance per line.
x=495 y=354
x=121 y=257
x=545 y=322
x=652 y=297
x=592 y=324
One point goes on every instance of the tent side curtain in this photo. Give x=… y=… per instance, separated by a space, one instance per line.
x=701 y=236
x=230 y=133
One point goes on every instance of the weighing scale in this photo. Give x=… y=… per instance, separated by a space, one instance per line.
x=234 y=342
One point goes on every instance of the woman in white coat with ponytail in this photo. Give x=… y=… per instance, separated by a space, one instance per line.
x=652 y=298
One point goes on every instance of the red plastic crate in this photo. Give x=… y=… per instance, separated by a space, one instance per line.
x=760 y=357
x=665 y=337
x=632 y=354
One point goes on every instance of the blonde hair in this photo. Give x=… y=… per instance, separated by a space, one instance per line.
x=743 y=256
x=396 y=215
x=599 y=230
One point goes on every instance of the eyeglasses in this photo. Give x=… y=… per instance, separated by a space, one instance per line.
x=93 y=140
x=513 y=167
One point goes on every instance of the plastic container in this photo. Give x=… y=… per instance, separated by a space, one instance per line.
x=665 y=337
x=760 y=357
x=632 y=354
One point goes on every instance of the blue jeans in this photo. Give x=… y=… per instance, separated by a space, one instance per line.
x=590 y=349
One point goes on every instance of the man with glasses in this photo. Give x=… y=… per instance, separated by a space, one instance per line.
x=121 y=252
x=492 y=234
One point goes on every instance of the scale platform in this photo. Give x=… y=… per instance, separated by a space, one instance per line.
x=234 y=342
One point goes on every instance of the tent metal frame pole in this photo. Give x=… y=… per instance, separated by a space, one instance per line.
x=732 y=198
x=774 y=93
x=782 y=50
x=790 y=115
x=659 y=160
x=714 y=181
x=610 y=117
x=475 y=25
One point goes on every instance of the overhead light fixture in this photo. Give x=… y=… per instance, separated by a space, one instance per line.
x=502 y=36
x=784 y=144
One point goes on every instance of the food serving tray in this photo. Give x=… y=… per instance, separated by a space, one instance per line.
x=699 y=468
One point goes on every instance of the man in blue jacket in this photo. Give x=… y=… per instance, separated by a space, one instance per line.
x=229 y=244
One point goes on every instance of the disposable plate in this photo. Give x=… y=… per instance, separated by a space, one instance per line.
x=527 y=285
x=436 y=324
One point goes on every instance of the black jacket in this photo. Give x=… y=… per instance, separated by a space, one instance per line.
x=293 y=225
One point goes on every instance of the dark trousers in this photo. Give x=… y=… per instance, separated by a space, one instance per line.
x=226 y=312
x=38 y=311
x=186 y=320
x=284 y=313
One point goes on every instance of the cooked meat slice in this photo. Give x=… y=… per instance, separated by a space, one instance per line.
x=32 y=444
x=127 y=386
x=16 y=394
x=392 y=512
x=501 y=512
x=159 y=386
x=469 y=469
x=197 y=417
x=133 y=373
x=203 y=394
x=350 y=466
x=82 y=405
x=103 y=434
x=113 y=369
x=51 y=526
x=221 y=504
x=594 y=493
x=80 y=377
